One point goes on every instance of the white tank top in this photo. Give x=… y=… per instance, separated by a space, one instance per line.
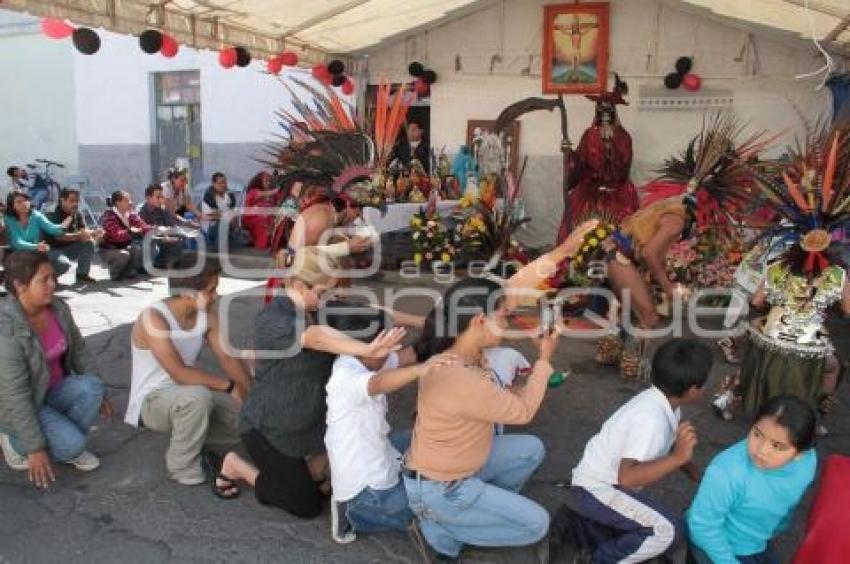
x=146 y=372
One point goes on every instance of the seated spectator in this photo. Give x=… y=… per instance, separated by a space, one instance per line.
x=168 y=393
x=77 y=243
x=177 y=198
x=750 y=490
x=605 y=516
x=27 y=228
x=283 y=420
x=365 y=459
x=123 y=234
x=18 y=181
x=216 y=203
x=49 y=394
x=262 y=195
x=168 y=248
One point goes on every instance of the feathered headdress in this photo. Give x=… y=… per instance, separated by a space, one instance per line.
x=713 y=172
x=321 y=142
x=810 y=192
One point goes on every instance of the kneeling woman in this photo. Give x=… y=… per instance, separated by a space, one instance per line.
x=283 y=419
x=750 y=490
x=463 y=482
x=49 y=396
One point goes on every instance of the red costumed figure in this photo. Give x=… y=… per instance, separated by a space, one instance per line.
x=599 y=184
x=261 y=195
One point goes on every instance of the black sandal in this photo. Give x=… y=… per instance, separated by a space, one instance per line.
x=211 y=463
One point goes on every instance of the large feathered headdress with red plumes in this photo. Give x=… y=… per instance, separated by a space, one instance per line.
x=322 y=144
x=713 y=172
x=810 y=192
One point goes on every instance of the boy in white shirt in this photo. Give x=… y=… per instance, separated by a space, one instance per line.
x=605 y=516
x=365 y=458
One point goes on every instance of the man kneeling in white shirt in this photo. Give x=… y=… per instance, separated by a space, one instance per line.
x=365 y=458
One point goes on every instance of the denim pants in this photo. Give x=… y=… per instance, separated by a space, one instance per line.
x=375 y=511
x=484 y=509
x=62 y=255
x=68 y=412
x=697 y=556
x=235 y=237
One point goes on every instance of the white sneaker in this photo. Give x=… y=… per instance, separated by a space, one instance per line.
x=85 y=462
x=15 y=460
x=341 y=530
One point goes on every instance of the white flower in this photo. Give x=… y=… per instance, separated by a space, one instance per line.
x=416 y=235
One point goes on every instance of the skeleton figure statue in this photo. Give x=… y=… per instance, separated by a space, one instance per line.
x=599 y=184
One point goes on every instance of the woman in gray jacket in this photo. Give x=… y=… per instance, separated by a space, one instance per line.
x=48 y=396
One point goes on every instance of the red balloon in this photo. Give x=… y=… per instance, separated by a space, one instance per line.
x=274 y=65
x=288 y=58
x=421 y=87
x=692 y=82
x=227 y=57
x=169 y=46
x=348 y=86
x=55 y=28
x=320 y=73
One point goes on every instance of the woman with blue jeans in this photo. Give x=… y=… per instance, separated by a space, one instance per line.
x=462 y=479
x=49 y=397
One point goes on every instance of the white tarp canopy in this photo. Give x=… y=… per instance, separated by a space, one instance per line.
x=315 y=28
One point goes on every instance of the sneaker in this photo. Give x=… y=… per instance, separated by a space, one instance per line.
x=85 y=462
x=85 y=279
x=722 y=405
x=15 y=460
x=428 y=554
x=342 y=531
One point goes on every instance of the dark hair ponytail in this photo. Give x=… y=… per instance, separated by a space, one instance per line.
x=443 y=324
x=796 y=415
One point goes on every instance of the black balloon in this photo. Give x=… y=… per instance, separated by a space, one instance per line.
x=86 y=41
x=338 y=79
x=673 y=80
x=243 y=57
x=429 y=77
x=150 y=41
x=415 y=69
x=684 y=65
x=336 y=67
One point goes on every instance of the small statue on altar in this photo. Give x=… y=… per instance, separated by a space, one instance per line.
x=489 y=153
x=599 y=184
x=462 y=166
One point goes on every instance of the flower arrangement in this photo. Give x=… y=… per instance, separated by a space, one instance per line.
x=706 y=261
x=431 y=240
x=486 y=230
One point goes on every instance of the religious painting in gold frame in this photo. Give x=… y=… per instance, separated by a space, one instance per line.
x=575 y=48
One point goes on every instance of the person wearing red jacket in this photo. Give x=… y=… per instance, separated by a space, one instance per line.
x=123 y=233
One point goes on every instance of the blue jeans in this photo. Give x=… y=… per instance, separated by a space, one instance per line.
x=375 y=511
x=62 y=255
x=68 y=412
x=484 y=509
x=39 y=197
x=697 y=556
x=235 y=237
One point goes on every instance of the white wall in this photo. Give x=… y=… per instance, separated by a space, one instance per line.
x=472 y=93
x=114 y=95
x=36 y=94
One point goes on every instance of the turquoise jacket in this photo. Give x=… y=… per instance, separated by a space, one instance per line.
x=739 y=507
x=27 y=239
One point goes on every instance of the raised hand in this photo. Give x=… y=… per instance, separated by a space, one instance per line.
x=686 y=441
x=573 y=242
x=387 y=342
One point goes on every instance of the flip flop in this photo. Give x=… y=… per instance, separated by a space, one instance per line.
x=211 y=463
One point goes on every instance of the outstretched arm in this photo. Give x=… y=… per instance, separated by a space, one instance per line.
x=655 y=252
